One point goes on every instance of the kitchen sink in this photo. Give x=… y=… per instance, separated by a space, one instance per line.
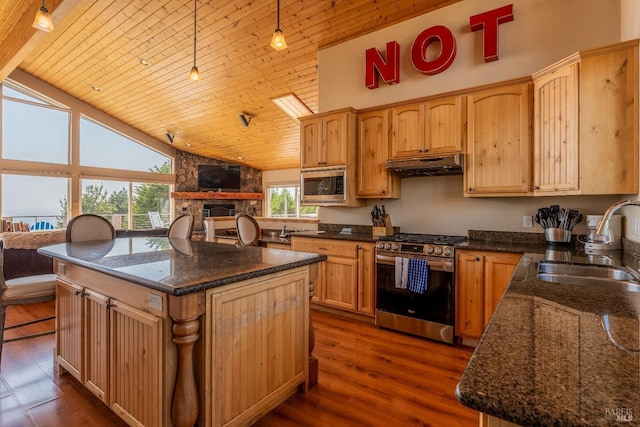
x=581 y=274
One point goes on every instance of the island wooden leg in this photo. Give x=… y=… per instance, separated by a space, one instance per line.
x=185 y=312
x=185 y=408
x=313 y=362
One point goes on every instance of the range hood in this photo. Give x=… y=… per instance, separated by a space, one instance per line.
x=426 y=166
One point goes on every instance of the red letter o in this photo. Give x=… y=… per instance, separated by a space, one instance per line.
x=447 y=50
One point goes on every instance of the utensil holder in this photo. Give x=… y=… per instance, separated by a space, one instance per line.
x=387 y=230
x=557 y=236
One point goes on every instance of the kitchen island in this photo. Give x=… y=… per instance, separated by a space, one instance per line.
x=558 y=354
x=175 y=332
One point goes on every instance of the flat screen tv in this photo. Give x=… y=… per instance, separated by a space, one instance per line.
x=219 y=178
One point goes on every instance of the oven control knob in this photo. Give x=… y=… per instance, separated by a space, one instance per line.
x=439 y=250
x=430 y=250
x=387 y=246
x=380 y=246
x=447 y=251
x=395 y=247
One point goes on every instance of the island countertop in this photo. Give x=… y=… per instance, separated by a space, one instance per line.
x=178 y=266
x=546 y=357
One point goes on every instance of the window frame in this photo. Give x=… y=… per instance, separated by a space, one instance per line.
x=286 y=184
x=54 y=98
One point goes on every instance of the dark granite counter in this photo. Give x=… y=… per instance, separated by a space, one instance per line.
x=178 y=266
x=546 y=359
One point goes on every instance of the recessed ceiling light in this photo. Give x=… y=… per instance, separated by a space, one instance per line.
x=292 y=106
x=96 y=88
x=144 y=62
x=188 y=144
x=239 y=157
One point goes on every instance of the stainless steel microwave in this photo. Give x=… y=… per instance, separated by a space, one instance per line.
x=324 y=186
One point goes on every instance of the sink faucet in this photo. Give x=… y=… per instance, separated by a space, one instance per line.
x=603 y=227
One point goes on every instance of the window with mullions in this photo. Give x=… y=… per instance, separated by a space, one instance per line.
x=283 y=201
x=32 y=129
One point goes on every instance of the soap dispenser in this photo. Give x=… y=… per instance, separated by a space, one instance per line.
x=283 y=232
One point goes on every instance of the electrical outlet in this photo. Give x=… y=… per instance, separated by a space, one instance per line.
x=527 y=221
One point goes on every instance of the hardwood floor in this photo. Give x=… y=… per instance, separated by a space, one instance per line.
x=368 y=377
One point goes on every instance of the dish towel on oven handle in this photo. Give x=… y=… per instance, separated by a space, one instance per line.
x=401 y=272
x=418 y=275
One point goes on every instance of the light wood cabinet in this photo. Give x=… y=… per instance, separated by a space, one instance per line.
x=327 y=139
x=481 y=279
x=497 y=158
x=346 y=278
x=427 y=128
x=555 y=146
x=586 y=123
x=374 y=181
x=113 y=349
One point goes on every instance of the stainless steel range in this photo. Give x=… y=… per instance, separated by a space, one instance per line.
x=428 y=310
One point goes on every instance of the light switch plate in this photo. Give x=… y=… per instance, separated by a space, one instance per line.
x=527 y=221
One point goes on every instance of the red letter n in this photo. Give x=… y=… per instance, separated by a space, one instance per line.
x=489 y=21
x=375 y=65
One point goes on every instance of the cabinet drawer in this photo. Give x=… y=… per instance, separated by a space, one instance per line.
x=325 y=247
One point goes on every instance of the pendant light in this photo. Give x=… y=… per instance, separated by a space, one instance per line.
x=194 y=74
x=43 y=19
x=277 y=41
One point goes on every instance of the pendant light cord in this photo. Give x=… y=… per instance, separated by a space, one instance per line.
x=194 y=31
x=278 y=15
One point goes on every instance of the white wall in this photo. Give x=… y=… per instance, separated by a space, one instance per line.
x=542 y=32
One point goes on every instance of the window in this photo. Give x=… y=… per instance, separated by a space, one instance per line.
x=118 y=177
x=103 y=147
x=33 y=130
x=47 y=200
x=283 y=201
x=126 y=204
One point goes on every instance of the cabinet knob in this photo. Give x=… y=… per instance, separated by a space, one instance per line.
x=384 y=191
x=536 y=187
x=477 y=258
x=470 y=189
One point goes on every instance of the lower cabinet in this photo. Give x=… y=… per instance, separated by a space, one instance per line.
x=481 y=279
x=346 y=278
x=90 y=344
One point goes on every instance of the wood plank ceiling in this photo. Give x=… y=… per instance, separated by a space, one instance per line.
x=98 y=43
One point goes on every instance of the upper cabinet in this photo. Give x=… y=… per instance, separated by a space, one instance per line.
x=586 y=123
x=555 y=146
x=374 y=181
x=427 y=128
x=498 y=141
x=328 y=139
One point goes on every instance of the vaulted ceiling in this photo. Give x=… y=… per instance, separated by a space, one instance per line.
x=99 y=43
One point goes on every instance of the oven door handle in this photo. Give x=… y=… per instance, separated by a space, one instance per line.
x=434 y=265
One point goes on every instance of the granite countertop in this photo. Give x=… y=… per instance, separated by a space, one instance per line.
x=178 y=266
x=545 y=358
x=355 y=237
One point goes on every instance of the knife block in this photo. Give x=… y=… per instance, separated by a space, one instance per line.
x=387 y=230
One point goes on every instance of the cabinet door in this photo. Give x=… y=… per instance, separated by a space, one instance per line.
x=407 y=136
x=443 y=125
x=311 y=142
x=555 y=149
x=340 y=283
x=609 y=120
x=469 y=294
x=498 y=137
x=335 y=137
x=498 y=269
x=366 y=279
x=136 y=365
x=70 y=329
x=373 y=152
x=96 y=325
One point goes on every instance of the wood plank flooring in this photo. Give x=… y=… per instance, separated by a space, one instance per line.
x=368 y=377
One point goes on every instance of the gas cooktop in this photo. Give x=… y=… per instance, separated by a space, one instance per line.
x=431 y=239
